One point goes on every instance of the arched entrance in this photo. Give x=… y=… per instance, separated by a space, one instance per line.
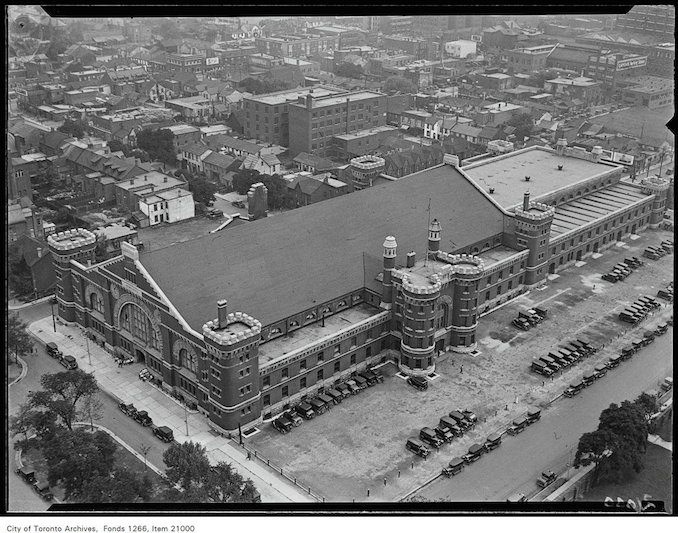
x=141 y=356
x=595 y=248
x=578 y=255
x=552 y=268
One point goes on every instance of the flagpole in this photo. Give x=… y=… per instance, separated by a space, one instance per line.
x=427 y=229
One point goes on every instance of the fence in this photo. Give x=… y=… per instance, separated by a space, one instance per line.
x=254 y=454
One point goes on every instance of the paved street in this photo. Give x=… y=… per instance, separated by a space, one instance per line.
x=551 y=443
x=123 y=383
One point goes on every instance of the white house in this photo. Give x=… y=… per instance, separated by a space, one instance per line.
x=262 y=163
x=169 y=206
x=461 y=49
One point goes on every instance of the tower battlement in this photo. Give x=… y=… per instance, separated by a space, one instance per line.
x=71 y=239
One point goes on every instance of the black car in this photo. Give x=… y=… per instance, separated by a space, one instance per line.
x=164 y=433
x=418 y=382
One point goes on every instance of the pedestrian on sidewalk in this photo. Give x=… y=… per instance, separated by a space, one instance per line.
x=249 y=456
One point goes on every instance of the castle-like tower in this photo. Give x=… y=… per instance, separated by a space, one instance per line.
x=533 y=225
x=659 y=187
x=78 y=244
x=232 y=343
x=365 y=169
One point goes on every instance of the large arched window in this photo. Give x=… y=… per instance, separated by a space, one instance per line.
x=187 y=360
x=96 y=303
x=135 y=321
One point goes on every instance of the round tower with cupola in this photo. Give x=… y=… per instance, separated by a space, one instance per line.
x=74 y=244
x=232 y=343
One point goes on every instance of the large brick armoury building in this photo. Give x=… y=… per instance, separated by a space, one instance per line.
x=246 y=322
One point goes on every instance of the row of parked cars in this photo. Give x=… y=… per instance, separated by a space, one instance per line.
x=667 y=293
x=67 y=361
x=562 y=357
x=639 y=309
x=455 y=424
x=657 y=252
x=623 y=270
x=41 y=487
x=162 y=432
x=529 y=318
x=322 y=403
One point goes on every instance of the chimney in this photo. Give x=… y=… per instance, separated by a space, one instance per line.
x=39 y=250
x=222 y=313
x=164 y=179
x=411 y=259
x=526 y=200
x=131 y=182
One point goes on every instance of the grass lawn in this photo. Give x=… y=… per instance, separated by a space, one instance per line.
x=655 y=480
x=33 y=459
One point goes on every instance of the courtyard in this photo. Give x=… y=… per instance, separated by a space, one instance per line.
x=359 y=445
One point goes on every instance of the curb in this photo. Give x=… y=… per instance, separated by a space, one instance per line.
x=24 y=371
x=28 y=304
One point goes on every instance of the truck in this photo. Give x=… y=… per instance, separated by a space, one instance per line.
x=444 y=432
x=429 y=436
x=613 y=361
x=667 y=385
x=418 y=447
x=460 y=419
x=53 y=350
x=550 y=363
x=305 y=410
x=600 y=370
x=540 y=367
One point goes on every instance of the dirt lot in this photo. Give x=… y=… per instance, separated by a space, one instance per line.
x=361 y=442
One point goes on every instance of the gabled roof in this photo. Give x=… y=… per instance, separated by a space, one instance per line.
x=261 y=268
x=218 y=141
x=219 y=160
x=314 y=161
x=196 y=149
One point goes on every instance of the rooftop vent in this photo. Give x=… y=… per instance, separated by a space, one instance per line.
x=528 y=178
x=491 y=190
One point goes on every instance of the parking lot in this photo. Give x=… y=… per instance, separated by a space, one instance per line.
x=359 y=445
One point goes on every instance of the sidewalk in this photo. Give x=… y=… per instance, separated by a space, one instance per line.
x=124 y=384
x=15 y=305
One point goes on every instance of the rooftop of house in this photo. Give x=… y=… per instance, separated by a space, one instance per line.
x=154 y=178
x=292 y=95
x=331 y=99
x=180 y=129
x=366 y=133
x=506 y=174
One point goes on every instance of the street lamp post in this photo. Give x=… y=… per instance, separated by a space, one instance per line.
x=186 y=418
x=51 y=303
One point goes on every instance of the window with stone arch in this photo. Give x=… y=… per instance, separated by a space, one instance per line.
x=96 y=303
x=134 y=320
x=187 y=359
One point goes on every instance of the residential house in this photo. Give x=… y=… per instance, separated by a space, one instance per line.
x=221 y=167
x=312 y=163
x=183 y=135
x=467 y=132
x=37 y=256
x=232 y=146
x=192 y=157
x=263 y=163
x=304 y=188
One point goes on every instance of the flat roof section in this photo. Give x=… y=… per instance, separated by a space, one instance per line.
x=302 y=337
x=496 y=254
x=587 y=209
x=506 y=174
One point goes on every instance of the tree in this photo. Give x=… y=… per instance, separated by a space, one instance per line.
x=349 y=70
x=277 y=190
x=116 y=146
x=203 y=190
x=225 y=485
x=76 y=458
x=18 y=339
x=122 y=485
x=244 y=179
x=19 y=276
x=398 y=84
x=72 y=127
x=618 y=445
x=64 y=393
x=187 y=464
x=647 y=404
x=158 y=144
x=30 y=421
x=523 y=124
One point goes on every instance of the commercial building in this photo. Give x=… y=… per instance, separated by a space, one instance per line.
x=314 y=120
x=612 y=68
x=301 y=45
x=658 y=21
x=648 y=91
x=461 y=49
x=409 y=45
x=267 y=115
x=240 y=341
x=579 y=87
x=528 y=60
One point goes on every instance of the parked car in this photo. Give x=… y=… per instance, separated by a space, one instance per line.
x=418 y=382
x=318 y=405
x=336 y=396
x=493 y=441
x=600 y=370
x=455 y=466
x=613 y=361
x=429 y=436
x=460 y=419
x=238 y=203
x=344 y=389
x=42 y=488
x=361 y=382
x=444 y=432
x=667 y=385
x=521 y=323
x=53 y=350
x=546 y=478
x=452 y=425
x=470 y=416
x=516 y=498
x=517 y=426
x=475 y=452
x=540 y=367
x=353 y=386
x=143 y=418
x=533 y=414
x=305 y=410
x=574 y=389
x=127 y=408
x=69 y=362
x=329 y=401
x=283 y=424
x=215 y=213
x=418 y=447
x=26 y=474
x=164 y=433
x=293 y=417
x=588 y=377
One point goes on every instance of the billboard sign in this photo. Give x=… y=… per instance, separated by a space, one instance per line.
x=211 y=61
x=635 y=62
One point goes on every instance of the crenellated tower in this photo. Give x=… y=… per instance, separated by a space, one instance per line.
x=232 y=342
x=659 y=187
x=78 y=244
x=533 y=226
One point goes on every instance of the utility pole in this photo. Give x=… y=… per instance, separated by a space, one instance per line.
x=186 y=418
